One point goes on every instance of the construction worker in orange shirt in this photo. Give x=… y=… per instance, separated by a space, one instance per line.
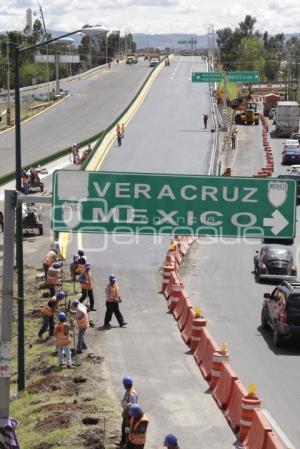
x=48 y=312
x=137 y=429
x=63 y=340
x=53 y=277
x=81 y=317
x=112 y=303
x=130 y=397
x=171 y=441
x=87 y=286
x=50 y=257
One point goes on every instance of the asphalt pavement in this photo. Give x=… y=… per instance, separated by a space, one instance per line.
x=165 y=136
x=219 y=278
x=93 y=104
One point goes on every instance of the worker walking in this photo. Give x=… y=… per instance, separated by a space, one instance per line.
x=171 y=441
x=87 y=286
x=119 y=138
x=63 y=340
x=205 y=120
x=112 y=303
x=48 y=312
x=50 y=257
x=130 y=397
x=53 y=277
x=137 y=430
x=123 y=131
x=81 y=316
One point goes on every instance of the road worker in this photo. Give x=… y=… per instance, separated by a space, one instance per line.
x=53 y=277
x=130 y=397
x=78 y=264
x=137 y=430
x=50 y=257
x=122 y=130
x=205 y=120
x=87 y=286
x=112 y=303
x=80 y=315
x=48 y=312
x=25 y=182
x=63 y=340
x=119 y=138
x=171 y=442
x=118 y=128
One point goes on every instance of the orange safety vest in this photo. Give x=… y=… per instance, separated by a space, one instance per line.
x=87 y=285
x=52 y=276
x=49 y=311
x=50 y=257
x=134 y=437
x=113 y=292
x=83 y=323
x=62 y=340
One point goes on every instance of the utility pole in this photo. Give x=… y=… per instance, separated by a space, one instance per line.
x=8 y=82
x=47 y=49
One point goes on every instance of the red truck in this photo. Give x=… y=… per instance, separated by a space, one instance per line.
x=270 y=101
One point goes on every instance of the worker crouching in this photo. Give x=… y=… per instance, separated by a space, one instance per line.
x=48 y=312
x=63 y=340
x=80 y=315
x=137 y=430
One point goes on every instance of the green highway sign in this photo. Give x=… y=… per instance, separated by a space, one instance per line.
x=187 y=42
x=142 y=203
x=243 y=77
x=207 y=77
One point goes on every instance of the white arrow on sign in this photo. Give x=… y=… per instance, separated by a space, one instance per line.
x=278 y=222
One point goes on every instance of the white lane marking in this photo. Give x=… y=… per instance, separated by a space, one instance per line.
x=278 y=430
x=175 y=70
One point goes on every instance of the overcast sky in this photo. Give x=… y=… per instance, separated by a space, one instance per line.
x=154 y=16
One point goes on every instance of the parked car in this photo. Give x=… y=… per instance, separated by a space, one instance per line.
x=296 y=136
x=291 y=157
x=275 y=262
x=296 y=176
x=294 y=169
x=281 y=312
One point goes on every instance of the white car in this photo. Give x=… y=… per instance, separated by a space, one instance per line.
x=294 y=169
x=290 y=144
x=154 y=62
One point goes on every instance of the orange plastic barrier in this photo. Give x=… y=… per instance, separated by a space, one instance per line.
x=197 y=325
x=234 y=411
x=181 y=304
x=223 y=390
x=182 y=320
x=206 y=364
x=172 y=281
x=166 y=276
x=258 y=433
x=273 y=441
x=217 y=364
x=186 y=333
x=174 y=299
x=200 y=350
x=249 y=404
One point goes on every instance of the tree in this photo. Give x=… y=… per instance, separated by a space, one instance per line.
x=250 y=55
x=274 y=51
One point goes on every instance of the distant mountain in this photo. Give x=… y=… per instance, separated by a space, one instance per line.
x=167 y=40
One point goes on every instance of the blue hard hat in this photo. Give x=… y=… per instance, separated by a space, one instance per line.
x=75 y=303
x=60 y=295
x=62 y=316
x=170 y=440
x=56 y=265
x=127 y=380
x=134 y=410
x=88 y=266
x=112 y=277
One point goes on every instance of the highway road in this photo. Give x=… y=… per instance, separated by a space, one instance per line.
x=165 y=136
x=219 y=278
x=93 y=104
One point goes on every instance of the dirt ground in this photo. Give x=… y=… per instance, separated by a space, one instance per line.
x=60 y=408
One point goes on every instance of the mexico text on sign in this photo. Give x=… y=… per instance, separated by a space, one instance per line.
x=165 y=204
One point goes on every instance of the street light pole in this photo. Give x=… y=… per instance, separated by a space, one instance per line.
x=19 y=224
x=8 y=82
